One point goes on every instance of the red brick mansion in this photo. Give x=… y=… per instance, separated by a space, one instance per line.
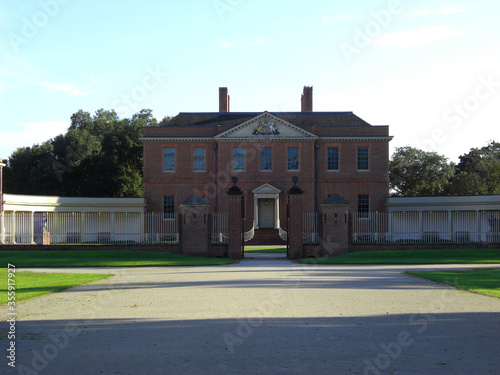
x=330 y=152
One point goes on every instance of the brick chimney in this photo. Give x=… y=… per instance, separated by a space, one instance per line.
x=223 y=99
x=307 y=99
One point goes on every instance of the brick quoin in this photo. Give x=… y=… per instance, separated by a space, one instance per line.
x=295 y=250
x=234 y=222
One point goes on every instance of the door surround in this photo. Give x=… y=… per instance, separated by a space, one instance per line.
x=266 y=191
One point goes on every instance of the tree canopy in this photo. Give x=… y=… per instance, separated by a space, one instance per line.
x=414 y=172
x=478 y=172
x=99 y=156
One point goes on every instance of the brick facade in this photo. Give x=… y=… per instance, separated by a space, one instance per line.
x=312 y=133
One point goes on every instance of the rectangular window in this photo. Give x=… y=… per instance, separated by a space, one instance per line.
x=292 y=158
x=266 y=159
x=198 y=159
x=238 y=158
x=363 y=164
x=169 y=159
x=168 y=207
x=333 y=159
x=363 y=205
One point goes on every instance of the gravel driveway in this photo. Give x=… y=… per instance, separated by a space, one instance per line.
x=257 y=317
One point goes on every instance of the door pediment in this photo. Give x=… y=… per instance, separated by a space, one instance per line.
x=266 y=191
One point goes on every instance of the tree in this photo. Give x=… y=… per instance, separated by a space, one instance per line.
x=164 y=120
x=414 y=172
x=478 y=172
x=99 y=156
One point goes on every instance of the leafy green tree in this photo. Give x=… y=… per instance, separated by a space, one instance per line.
x=99 y=156
x=164 y=120
x=30 y=170
x=415 y=172
x=478 y=172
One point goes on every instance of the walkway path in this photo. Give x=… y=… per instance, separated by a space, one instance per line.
x=258 y=317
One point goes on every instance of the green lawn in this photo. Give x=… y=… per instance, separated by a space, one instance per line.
x=265 y=249
x=479 y=281
x=412 y=257
x=28 y=284
x=96 y=258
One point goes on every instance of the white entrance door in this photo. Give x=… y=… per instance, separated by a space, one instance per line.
x=266 y=213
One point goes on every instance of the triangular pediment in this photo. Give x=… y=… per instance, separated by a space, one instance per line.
x=265 y=126
x=266 y=189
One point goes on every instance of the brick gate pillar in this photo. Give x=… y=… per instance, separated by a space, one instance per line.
x=235 y=228
x=195 y=226
x=334 y=218
x=295 y=248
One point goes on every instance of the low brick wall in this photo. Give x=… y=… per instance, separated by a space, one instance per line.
x=472 y=245
x=218 y=251
x=176 y=249
x=312 y=251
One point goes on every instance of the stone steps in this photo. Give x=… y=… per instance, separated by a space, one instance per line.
x=266 y=237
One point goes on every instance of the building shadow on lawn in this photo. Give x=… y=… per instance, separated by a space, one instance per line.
x=454 y=343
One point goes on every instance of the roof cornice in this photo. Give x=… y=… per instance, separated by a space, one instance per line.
x=177 y=139
x=357 y=138
x=263 y=139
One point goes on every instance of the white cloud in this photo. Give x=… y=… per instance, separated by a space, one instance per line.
x=69 y=88
x=430 y=12
x=417 y=38
x=28 y=134
x=451 y=10
x=338 y=17
x=421 y=12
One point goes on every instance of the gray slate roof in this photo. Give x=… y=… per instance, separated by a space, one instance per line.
x=335 y=200
x=229 y=119
x=195 y=200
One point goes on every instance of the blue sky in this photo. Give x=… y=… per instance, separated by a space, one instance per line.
x=429 y=69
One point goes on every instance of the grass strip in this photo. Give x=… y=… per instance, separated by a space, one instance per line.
x=438 y=256
x=109 y=258
x=265 y=249
x=30 y=284
x=485 y=282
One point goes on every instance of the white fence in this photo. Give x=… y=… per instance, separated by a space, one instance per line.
x=220 y=227
x=426 y=226
x=87 y=227
x=310 y=233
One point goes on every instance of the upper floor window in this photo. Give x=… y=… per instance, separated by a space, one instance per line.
x=169 y=159
x=333 y=159
x=168 y=207
x=292 y=158
x=199 y=159
x=238 y=158
x=363 y=164
x=266 y=159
